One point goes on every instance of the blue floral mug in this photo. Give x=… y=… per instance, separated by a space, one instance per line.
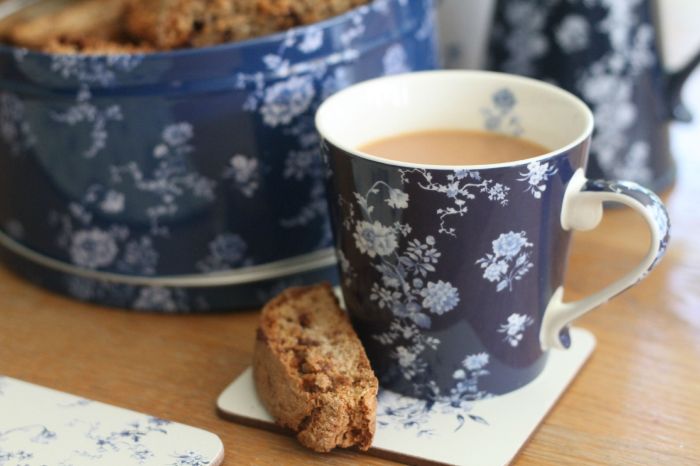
x=453 y=275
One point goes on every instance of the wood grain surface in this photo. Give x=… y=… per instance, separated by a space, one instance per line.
x=636 y=402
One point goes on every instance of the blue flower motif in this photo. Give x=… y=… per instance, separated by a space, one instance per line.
x=509 y=244
x=504 y=99
x=229 y=247
x=510 y=260
x=475 y=361
x=190 y=458
x=495 y=270
x=178 y=134
x=93 y=248
x=440 y=297
x=375 y=239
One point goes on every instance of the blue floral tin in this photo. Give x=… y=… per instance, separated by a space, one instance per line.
x=187 y=180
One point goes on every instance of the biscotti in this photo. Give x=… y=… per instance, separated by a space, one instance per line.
x=197 y=23
x=123 y=26
x=311 y=371
x=96 y=22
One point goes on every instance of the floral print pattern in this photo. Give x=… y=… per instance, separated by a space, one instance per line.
x=85 y=112
x=171 y=179
x=405 y=290
x=86 y=244
x=244 y=173
x=608 y=87
x=131 y=212
x=97 y=70
x=80 y=432
x=14 y=128
x=606 y=81
x=395 y=60
x=226 y=251
x=500 y=117
x=514 y=328
x=509 y=260
x=536 y=177
x=526 y=42
x=460 y=187
x=190 y=458
x=413 y=298
x=423 y=415
x=286 y=100
x=151 y=298
x=573 y=34
x=93 y=248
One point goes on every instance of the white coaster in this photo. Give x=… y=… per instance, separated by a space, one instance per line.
x=40 y=426
x=490 y=432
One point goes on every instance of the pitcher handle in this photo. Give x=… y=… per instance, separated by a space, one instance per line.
x=583 y=210
x=674 y=87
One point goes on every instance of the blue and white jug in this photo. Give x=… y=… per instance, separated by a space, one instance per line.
x=607 y=52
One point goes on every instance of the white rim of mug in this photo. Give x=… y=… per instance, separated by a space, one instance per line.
x=427 y=75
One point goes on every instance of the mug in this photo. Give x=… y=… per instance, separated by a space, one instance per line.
x=607 y=53
x=452 y=275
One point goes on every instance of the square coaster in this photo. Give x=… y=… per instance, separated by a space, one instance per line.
x=40 y=426
x=489 y=432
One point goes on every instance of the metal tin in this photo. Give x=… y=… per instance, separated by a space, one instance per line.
x=185 y=180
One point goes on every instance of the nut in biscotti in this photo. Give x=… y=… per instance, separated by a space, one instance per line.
x=311 y=371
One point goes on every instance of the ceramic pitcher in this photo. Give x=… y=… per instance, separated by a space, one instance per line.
x=464 y=31
x=607 y=52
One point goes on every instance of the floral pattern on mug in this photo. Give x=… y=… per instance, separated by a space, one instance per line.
x=509 y=260
x=536 y=177
x=414 y=298
x=500 y=117
x=426 y=416
x=461 y=186
x=406 y=289
x=514 y=328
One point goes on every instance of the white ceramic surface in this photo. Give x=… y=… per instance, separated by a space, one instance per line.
x=490 y=432
x=44 y=427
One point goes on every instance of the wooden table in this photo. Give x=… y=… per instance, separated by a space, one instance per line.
x=636 y=402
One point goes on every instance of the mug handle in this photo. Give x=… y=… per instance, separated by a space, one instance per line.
x=583 y=210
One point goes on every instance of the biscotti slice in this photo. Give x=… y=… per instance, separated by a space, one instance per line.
x=93 y=19
x=170 y=24
x=173 y=24
x=311 y=371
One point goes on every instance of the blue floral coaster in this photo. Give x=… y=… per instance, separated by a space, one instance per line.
x=40 y=426
x=486 y=432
